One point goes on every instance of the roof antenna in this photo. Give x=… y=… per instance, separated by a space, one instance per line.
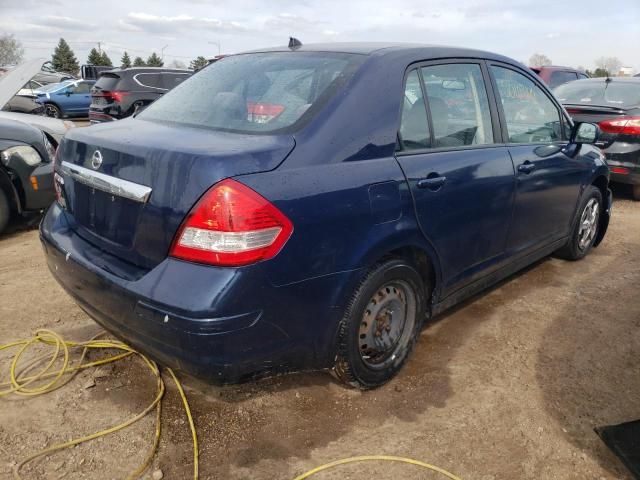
x=294 y=43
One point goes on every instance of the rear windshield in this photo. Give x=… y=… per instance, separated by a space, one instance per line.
x=612 y=94
x=107 y=81
x=256 y=93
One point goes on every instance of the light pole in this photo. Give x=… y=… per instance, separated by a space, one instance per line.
x=217 y=44
x=162 y=52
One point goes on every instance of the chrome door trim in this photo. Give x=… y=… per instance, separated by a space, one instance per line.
x=107 y=183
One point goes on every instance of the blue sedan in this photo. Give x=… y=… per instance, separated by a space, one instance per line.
x=311 y=207
x=66 y=99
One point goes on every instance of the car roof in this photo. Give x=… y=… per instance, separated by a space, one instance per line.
x=557 y=67
x=392 y=49
x=633 y=80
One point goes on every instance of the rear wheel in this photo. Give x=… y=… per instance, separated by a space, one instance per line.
x=52 y=110
x=586 y=228
x=5 y=212
x=635 y=192
x=380 y=325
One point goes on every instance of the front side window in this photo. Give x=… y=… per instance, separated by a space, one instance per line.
x=255 y=93
x=530 y=115
x=459 y=106
x=414 y=127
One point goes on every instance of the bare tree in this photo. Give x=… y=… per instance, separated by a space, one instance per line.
x=610 y=64
x=539 y=60
x=11 y=51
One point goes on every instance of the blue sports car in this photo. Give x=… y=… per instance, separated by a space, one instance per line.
x=311 y=207
x=67 y=99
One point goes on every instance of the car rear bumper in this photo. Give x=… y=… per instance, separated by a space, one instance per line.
x=98 y=117
x=623 y=160
x=221 y=324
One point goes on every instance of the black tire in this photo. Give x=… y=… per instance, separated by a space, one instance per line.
x=399 y=289
x=5 y=211
x=580 y=242
x=51 y=110
x=635 y=192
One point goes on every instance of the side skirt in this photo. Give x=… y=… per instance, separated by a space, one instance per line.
x=493 y=278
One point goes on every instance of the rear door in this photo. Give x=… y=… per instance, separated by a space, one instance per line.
x=547 y=181
x=461 y=177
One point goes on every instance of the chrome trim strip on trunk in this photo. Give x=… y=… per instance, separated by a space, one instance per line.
x=107 y=183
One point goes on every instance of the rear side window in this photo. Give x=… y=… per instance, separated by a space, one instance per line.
x=170 y=80
x=256 y=93
x=459 y=106
x=149 y=80
x=414 y=127
x=530 y=115
x=560 y=77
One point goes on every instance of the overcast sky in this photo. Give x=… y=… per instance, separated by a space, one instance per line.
x=570 y=32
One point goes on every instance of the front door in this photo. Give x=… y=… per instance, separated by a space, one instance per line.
x=548 y=181
x=461 y=180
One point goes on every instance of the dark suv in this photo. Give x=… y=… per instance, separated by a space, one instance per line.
x=118 y=93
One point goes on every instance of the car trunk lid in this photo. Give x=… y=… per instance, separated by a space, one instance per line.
x=131 y=197
x=597 y=114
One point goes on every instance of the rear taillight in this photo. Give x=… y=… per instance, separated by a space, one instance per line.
x=621 y=126
x=619 y=170
x=231 y=225
x=263 y=112
x=111 y=96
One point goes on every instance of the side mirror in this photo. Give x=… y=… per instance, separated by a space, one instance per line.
x=585 y=133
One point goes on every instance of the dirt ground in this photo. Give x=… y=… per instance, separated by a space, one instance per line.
x=507 y=386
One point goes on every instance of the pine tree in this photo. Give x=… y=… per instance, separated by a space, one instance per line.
x=94 y=57
x=139 y=62
x=154 y=61
x=105 y=60
x=198 y=63
x=125 y=61
x=63 y=58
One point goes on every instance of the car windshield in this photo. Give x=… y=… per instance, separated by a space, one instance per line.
x=52 y=87
x=255 y=93
x=612 y=94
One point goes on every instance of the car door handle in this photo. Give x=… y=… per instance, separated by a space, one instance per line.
x=432 y=183
x=526 y=167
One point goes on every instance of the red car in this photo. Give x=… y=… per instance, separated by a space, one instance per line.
x=554 y=76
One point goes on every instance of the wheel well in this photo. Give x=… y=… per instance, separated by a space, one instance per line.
x=602 y=184
x=420 y=259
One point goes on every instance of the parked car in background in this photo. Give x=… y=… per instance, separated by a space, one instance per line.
x=554 y=76
x=92 y=72
x=266 y=215
x=119 y=92
x=614 y=104
x=47 y=74
x=23 y=104
x=66 y=99
x=10 y=83
x=26 y=170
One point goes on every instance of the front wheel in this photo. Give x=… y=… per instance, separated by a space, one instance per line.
x=380 y=325
x=586 y=228
x=52 y=111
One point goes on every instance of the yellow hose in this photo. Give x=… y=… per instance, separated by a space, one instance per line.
x=20 y=383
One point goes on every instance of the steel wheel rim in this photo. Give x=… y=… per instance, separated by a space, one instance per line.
x=387 y=324
x=52 y=111
x=588 y=224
